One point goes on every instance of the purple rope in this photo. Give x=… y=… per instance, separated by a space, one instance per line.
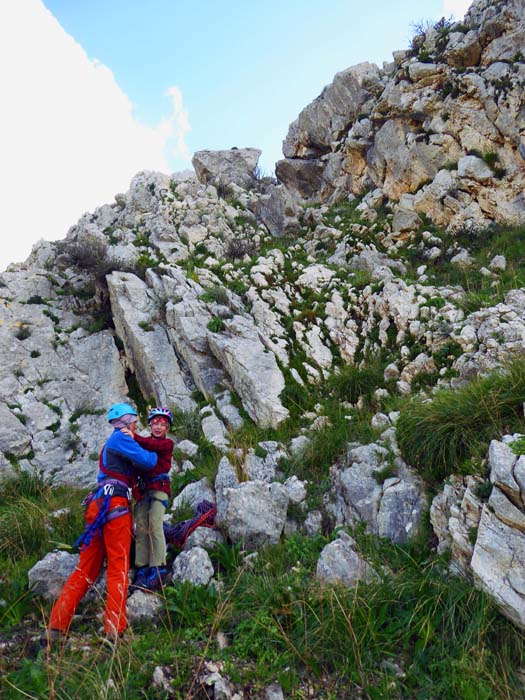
x=177 y=534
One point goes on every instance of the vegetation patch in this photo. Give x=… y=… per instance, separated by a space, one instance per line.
x=440 y=437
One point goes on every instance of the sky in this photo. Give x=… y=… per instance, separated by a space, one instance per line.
x=93 y=91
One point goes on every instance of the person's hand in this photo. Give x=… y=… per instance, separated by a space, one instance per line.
x=126 y=431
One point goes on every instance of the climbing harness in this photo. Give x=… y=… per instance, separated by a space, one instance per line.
x=104 y=493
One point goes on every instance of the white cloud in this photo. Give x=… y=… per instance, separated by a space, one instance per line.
x=457 y=8
x=68 y=137
x=179 y=124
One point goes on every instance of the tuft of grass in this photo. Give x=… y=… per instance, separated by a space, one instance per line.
x=186 y=425
x=215 y=294
x=24 y=484
x=85 y=409
x=23 y=332
x=146 y=326
x=439 y=437
x=216 y=325
x=352 y=382
x=22 y=529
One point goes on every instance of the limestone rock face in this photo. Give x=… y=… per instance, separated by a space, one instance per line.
x=455 y=514
x=57 y=376
x=391 y=507
x=279 y=211
x=236 y=165
x=497 y=564
x=327 y=117
x=487 y=541
x=148 y=349
x=14 y=437
x=454 y=101
x=253 y=370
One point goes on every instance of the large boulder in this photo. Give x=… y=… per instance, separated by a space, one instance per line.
x=236 y=165
x=144 y=607
x=339 y=563
x=254 y=513
x=193 y=566
x=392 y=508
x=48 y=576
x=303 y=178
x=279 y=211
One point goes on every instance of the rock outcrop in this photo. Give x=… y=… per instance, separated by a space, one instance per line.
x=439 y=131
x=487 y=539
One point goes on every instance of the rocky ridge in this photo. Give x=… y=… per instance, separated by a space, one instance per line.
x=438 y=132
x=225 y=297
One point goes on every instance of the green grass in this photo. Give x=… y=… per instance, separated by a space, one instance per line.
x=215 y=294
x=447 y=434
x=27 y=533
x=216 y=325
x=415 y=633
x=352 y=382
x=483 y=244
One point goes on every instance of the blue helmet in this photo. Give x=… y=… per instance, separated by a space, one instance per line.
x=120 y=409
x=160 y=411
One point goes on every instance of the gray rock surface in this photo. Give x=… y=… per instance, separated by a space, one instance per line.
x=193 y=566
x=391 y=507
x=204 y=537
x=236 y=165
x=192 y=494
x=144 y=607
x=339 y=563
x=254 y=513
x=48 y=576
x=497 y=565
x=253 y=370
x=487 y=541
x=147 y=346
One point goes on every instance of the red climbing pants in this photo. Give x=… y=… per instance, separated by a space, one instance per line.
x=114 y=544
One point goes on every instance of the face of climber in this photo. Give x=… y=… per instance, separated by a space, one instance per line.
x=159 y=427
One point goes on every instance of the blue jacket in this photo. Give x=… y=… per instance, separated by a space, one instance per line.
x=121 y=455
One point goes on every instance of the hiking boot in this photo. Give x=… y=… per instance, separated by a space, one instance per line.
x=139 y=578
x=156 y=579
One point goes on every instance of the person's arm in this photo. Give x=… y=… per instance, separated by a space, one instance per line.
x=127 y=446
x=162 y=446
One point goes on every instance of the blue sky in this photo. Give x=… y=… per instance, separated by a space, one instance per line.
x=100 y=89
x=245 y=69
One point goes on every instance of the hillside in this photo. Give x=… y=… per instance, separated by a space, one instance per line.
x=343 y=350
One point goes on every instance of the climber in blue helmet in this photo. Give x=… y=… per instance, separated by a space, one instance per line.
x=108 y=530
